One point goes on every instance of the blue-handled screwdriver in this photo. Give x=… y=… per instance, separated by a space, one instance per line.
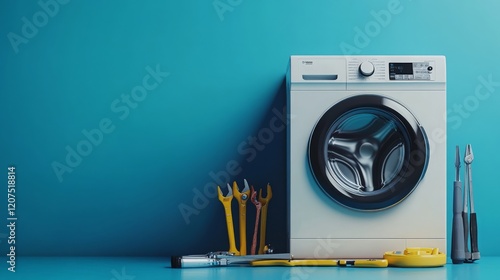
x=457 y=233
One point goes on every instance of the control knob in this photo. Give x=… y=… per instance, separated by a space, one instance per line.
x=366 y=68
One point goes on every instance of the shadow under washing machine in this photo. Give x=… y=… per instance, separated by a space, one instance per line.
x=366 y=155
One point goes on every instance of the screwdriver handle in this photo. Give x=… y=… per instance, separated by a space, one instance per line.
x=457 y=233
x=473 y=236
x=465 y=219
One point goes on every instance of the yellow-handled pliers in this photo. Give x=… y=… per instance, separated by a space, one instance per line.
x=226 y=202
x=264 y=201
x=242 y=198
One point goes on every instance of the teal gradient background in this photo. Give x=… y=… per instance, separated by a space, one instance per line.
x=224 y=87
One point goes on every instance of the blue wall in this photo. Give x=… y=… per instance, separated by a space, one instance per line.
x=118 y=114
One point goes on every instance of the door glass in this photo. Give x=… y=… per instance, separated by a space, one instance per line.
x=365 y=150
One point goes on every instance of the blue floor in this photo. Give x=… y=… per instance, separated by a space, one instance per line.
x=53 y=268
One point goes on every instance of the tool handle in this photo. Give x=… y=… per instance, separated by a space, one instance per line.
x=256 y=230
x=473 y=233
x=457 y=233
x=465 y=219
x=263 y=221
x=243 y=229
x=181 y=262
x=365 y=263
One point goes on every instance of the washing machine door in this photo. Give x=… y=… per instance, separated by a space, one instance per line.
x=368 y=152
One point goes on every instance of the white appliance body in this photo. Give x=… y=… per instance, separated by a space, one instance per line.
x=366 y=155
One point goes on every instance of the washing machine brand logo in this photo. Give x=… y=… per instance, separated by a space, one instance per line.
x=307 y=62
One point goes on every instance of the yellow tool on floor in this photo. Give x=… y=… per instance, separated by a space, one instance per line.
x=411 y=257
x=322 y=262
x=242 y=198
x=264 y=201
x=226 y=202
x=416 y=257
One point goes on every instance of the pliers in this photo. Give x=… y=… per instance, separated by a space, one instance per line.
x=469 y=197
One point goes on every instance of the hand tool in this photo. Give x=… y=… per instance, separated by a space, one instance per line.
x=226 y=202
x=416 y=257
x=242 y=198
x=257 y=215
x=474 y=254
x=457 y=233
x=264 y=201
x=322 y=262
x=215 y=259
x=465 y=214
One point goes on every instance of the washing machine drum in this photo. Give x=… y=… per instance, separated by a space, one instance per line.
x=368 y=152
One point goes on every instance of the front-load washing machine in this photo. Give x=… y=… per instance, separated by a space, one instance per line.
x=366 y=155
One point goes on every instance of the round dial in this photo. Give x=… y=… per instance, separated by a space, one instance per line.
x=366 y=68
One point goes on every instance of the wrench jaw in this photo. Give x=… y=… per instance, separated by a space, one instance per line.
x=242 y=198
x=264 y=201
x=226 y=202
x=253 y=198
x=228 y=197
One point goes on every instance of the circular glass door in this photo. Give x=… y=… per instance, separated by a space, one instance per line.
x=368 y=152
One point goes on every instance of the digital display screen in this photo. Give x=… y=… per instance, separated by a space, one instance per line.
x=401 y=68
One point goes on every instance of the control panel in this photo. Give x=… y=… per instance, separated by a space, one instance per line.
x=358 y=72
x=375 y=69
x=411 y=70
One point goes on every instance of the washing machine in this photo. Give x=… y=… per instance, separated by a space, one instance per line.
x=366 y=154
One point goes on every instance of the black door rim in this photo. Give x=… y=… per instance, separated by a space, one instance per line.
x=368 y=152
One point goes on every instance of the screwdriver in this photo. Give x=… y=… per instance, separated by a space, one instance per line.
x=457 y=233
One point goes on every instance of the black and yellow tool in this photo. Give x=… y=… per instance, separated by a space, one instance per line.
x=411 y=257
x=322 y=262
